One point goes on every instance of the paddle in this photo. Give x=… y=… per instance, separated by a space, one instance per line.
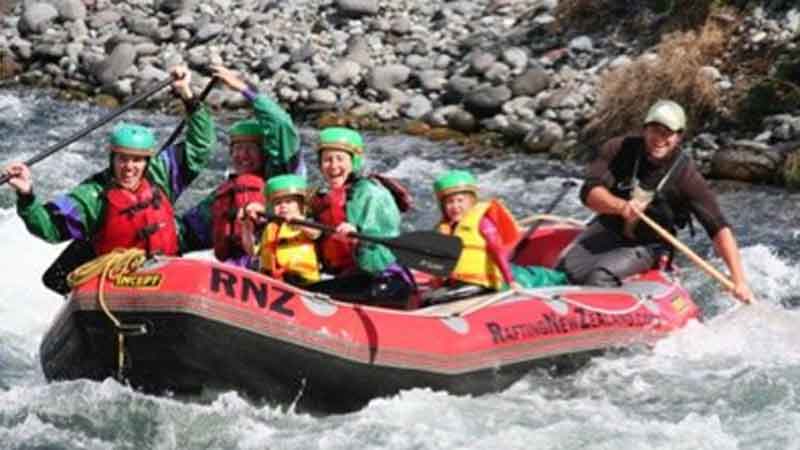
x=102 y=121
x=565 y=187
x=177 y=131
x=694 y=257
x=428 y=251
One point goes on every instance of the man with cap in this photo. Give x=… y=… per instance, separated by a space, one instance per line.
x=351 y=202
x=129 y=204
x=646 y=172
x=260 y=147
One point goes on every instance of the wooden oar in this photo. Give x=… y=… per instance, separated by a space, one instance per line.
x=427 y=251
x=102 y=121
x=694 y=257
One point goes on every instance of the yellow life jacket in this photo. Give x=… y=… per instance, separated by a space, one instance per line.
x=286 y=249
x=475 y=266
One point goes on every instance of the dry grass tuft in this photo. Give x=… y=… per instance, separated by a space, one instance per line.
x=626 y=92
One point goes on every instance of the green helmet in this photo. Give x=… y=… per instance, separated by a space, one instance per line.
x=454 y=181
x=285 y=185
x=346 y=140
x=248 y=130
x=133 y=140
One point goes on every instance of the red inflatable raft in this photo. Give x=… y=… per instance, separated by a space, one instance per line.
x=190 y=324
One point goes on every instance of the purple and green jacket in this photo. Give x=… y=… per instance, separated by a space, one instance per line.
x=78 y=214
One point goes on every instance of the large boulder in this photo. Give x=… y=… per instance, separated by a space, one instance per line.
x=749 y=161
x=36 y=18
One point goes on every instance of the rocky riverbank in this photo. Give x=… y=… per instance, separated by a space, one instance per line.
x=509 y=69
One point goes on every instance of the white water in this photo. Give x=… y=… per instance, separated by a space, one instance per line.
x=728 y=383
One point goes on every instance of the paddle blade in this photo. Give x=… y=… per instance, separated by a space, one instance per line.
x=427 y=251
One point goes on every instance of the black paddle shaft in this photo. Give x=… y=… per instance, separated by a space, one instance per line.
x=103 y=120
x=177 y=131
x=428 y=251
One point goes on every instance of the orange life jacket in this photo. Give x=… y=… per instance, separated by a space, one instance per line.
x=475 y=266
x=143 y=219
x=235 y=193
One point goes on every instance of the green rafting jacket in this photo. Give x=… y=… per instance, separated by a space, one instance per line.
x=372 y=210
x=78 y=213
x=281 y=148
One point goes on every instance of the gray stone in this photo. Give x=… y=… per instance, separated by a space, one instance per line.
x=151 y=73
x=71 y=9
x=147 y=48
x=276 y=62
x=432 y=80
x=357 y=8
x=208 y=32
x=416 y=107
x=543 y=136
x=384 y=78
x=442 y=62
x=344 y=73
x=175 y=6
x=498 y=73
x=531 y=82
x=77 y=30
x=324 y=96
x=103 y=18
x=116 y=64
x=358 y=51
x=747 y=161
x=302 y=53
x=480 y=61
x=515 y=57
x=418 y=62
x=141 y=25
x=458 y=87
x=487 y=101
x=306 y=80
x=401 y=25
x=36 y=18
x=461 y=120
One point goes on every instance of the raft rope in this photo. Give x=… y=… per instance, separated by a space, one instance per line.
x=118 y=263
x=483 y=303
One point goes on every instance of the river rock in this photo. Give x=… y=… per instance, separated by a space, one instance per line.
x=116 y=64
x=487 y=101
x=356 y=8
x=543 y=136
x=384 y=78
x=747 y=161
x=530 y=83
x=71 y=9
x=36 y=18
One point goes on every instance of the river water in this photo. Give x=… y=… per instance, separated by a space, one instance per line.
x=730 y=382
